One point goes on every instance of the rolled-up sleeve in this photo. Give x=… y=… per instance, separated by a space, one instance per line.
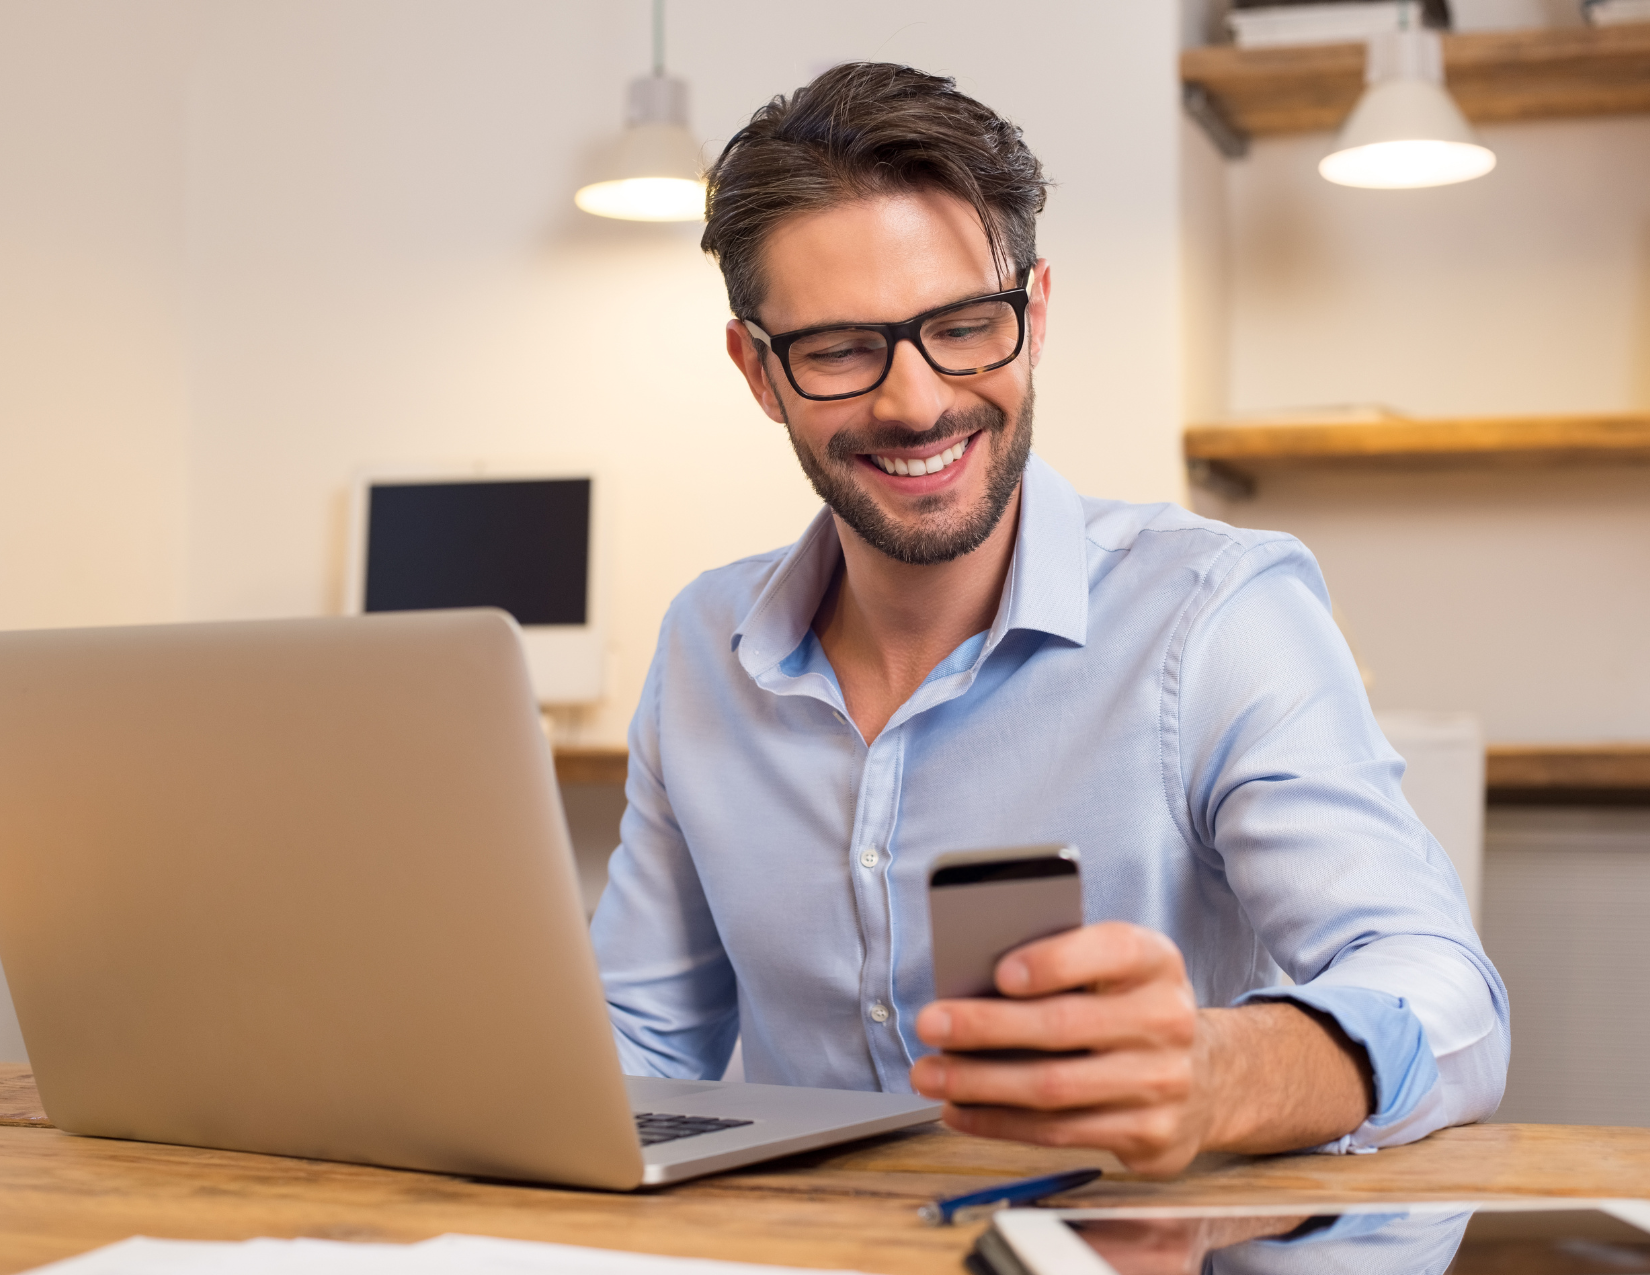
x=1288 y=780
x=670 y=987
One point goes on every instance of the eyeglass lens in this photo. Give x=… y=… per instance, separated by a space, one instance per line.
x=966 y=338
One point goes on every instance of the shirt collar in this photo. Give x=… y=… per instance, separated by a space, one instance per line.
x=1047 y=587
x=1048 y=582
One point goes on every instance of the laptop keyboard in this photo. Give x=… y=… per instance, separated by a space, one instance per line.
x=653 y=1127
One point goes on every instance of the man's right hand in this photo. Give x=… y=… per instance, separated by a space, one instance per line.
x=1158 y=1080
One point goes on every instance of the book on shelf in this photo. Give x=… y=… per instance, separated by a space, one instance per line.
x=1275 y=25
x=1609 y=13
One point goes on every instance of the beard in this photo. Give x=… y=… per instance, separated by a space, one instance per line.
x=944 y=534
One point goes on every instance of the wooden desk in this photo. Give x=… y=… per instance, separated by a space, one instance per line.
x=853 y=1207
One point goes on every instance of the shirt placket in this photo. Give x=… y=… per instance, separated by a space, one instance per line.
x=870 y=857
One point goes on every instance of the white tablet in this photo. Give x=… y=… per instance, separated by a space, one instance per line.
x=1507 y=1237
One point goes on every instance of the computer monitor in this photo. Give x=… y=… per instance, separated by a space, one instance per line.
x=522 y=542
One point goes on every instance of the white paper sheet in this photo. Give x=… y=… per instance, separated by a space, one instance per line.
x=444 y=1255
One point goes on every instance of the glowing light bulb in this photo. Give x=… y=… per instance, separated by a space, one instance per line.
x=644 y=199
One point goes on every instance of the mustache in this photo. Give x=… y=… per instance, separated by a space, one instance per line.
x=846 y=444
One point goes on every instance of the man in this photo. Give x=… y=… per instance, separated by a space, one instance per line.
x=961 y=652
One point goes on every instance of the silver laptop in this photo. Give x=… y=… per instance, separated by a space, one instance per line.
x=305 y=887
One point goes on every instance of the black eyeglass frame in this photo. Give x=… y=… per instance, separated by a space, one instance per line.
x=893 y=333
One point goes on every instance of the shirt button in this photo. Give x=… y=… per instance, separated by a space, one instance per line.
x=839 y=716
x=868 y=857
x=879 y=1013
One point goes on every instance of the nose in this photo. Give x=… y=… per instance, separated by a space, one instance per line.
x=914 y=395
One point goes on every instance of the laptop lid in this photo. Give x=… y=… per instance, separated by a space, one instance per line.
x=303 y=887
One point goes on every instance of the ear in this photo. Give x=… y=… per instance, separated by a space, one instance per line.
x=750 y=359
x=1037 y=312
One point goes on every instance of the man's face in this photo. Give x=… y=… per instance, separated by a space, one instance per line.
x=881 y=260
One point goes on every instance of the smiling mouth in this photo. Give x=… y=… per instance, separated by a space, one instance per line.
x=913 y=466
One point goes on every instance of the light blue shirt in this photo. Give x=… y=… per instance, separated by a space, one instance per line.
x=1167 y=693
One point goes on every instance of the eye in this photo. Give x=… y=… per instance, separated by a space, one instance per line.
x=837 y=353
x=959 y=331
x=826 y=350
x=968 y=325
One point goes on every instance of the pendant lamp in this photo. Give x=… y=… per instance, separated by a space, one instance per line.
x=1406 y=130
x=653 y=173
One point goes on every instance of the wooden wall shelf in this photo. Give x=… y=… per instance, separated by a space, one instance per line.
x=1227 y=458
x=1515 y=774
x=592 y=765
x=1494 y=75
x=1568 y=774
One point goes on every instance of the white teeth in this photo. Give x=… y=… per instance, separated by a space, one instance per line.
x=915 y=466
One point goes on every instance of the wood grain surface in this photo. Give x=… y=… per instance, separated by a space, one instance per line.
x=608 y=765
x=1478 y=441
x=851 y=1207
x=1493 y=75
x=19 y=1099
x=1568 y=774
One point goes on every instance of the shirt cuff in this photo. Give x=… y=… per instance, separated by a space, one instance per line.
x=1408 y=1095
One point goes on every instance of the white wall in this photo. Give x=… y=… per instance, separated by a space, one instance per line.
x=93 y=388
x=1525 y=291
x=1205 y=276
x=1523 y=596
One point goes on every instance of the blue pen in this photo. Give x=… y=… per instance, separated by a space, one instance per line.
x=977 y=1204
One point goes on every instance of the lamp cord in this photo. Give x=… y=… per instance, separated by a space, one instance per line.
x=658 y=37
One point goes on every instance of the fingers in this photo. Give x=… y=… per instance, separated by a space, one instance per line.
x=1109 y=954
x=1148 y=1140
x=1118 y=1080
x=1160 y=1015
x=1135 y=1019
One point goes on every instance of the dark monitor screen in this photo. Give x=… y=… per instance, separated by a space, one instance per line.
x=521 y=545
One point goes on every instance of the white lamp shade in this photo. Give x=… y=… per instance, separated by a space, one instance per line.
x=653 y=175
x=1405 y=134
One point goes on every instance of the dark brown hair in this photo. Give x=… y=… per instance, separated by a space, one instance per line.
x=866 y=128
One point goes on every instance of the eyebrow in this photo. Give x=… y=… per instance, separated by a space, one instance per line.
x=855 y=323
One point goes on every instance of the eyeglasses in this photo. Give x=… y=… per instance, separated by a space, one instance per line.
x=961 y=339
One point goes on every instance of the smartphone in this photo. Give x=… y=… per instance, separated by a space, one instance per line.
x=982 y=904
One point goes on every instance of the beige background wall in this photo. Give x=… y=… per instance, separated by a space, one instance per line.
x=93 y=276
x=1525 y=291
